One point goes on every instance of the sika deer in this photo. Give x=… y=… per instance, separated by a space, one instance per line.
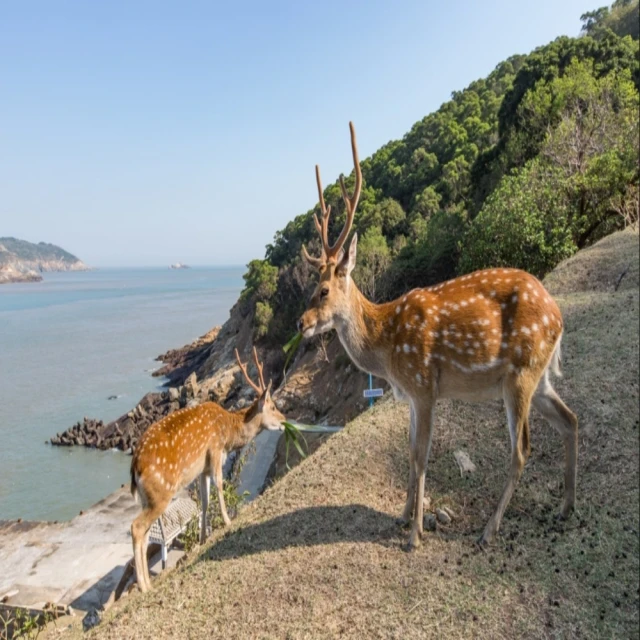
x=190 y=443
x=489 y=334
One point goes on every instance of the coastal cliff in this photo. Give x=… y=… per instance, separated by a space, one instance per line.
x=22 y=261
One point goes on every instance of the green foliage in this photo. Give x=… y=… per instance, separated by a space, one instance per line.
x=261 y=319
x=20 y=623
x=621 y=18
x=374 y=258
x=387 y=216
x=523 y=224
x=260 y=280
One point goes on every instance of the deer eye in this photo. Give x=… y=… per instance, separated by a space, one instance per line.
x=324 y=292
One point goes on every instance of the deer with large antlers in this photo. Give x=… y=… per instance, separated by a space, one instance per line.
x=490 y=334
x=189 y=443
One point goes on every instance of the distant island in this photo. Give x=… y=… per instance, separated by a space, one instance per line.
x=22 y=261
x=179 y=265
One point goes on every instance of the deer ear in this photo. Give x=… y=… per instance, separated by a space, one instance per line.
x=348 y=261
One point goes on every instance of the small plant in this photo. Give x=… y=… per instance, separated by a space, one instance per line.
x=290 y=348
x=292 y=436
x=20 y=623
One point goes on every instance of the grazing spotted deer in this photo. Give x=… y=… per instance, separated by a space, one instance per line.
x=190 y=443
x=489 y=334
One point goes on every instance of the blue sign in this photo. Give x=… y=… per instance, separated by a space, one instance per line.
x=373 y=393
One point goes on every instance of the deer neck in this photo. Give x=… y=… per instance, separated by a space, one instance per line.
x=360 y=329
x=246 y=424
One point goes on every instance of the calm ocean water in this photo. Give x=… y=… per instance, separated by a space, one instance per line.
x=68 y=343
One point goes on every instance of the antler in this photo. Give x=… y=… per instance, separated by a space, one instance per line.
x=263 y=386
x=243 y=367
x=351 y=202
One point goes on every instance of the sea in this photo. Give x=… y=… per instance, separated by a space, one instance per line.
x=67 y=344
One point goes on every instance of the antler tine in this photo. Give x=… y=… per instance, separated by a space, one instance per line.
x=351 y=202
x=325 y=211
x=315 y=262
x=243 y=368
x=259 y=367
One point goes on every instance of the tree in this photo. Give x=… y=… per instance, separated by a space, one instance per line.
x=260 y=280
x=374 y=258
x=593 y=146
x=388 y=215
x=523 y=224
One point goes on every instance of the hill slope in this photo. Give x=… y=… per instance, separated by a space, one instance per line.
x=319 y=554
x=22 y=261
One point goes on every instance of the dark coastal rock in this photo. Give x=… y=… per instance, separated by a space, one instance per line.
x=122 y=433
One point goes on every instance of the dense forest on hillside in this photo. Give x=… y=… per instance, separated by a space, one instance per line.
x=522 y=168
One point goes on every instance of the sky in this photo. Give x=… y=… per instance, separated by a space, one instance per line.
x=145 y=133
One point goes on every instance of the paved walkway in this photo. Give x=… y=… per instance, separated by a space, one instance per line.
x=78 y=562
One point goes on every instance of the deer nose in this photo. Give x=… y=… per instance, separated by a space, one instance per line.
x=300 y=325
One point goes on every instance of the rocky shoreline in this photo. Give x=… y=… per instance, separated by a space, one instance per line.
x=322 y=386
x=123 y=433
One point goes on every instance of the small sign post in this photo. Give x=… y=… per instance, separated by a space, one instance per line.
x=372 y=393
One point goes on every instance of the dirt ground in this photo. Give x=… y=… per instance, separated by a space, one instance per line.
x=319 y=555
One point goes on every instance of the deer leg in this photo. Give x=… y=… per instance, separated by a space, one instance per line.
x=405 y=518
x=424 y=433
x=205 y=486
x=517 y=403
x=140 y=537
x=219 y=482
x=556 y=412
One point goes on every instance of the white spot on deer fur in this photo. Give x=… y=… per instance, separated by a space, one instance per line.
x=543 y=344
x=484 y=281
x=545 y=320
x=463 y=303
x=503 y=345
x=406 y=348
x=518 y=350
x=426 y=361
x=534 y=327
x=408 y=325
x=525 y=296
x=398 y=348
x=529 y=285
x=406 y=307
x=525 y=330
x=419 y=378
x=456 y=307
x=514 y=297
x=404 y=299
x=398 y=309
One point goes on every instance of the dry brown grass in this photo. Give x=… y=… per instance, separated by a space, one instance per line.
x=320 y=556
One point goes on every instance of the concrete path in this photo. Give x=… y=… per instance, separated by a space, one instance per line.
x=77 y=563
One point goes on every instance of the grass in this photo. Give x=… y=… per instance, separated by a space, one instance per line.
x=319 y=554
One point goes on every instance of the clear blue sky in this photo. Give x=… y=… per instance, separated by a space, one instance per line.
x=142 y=133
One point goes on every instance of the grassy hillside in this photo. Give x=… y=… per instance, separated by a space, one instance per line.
x=319 y=554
